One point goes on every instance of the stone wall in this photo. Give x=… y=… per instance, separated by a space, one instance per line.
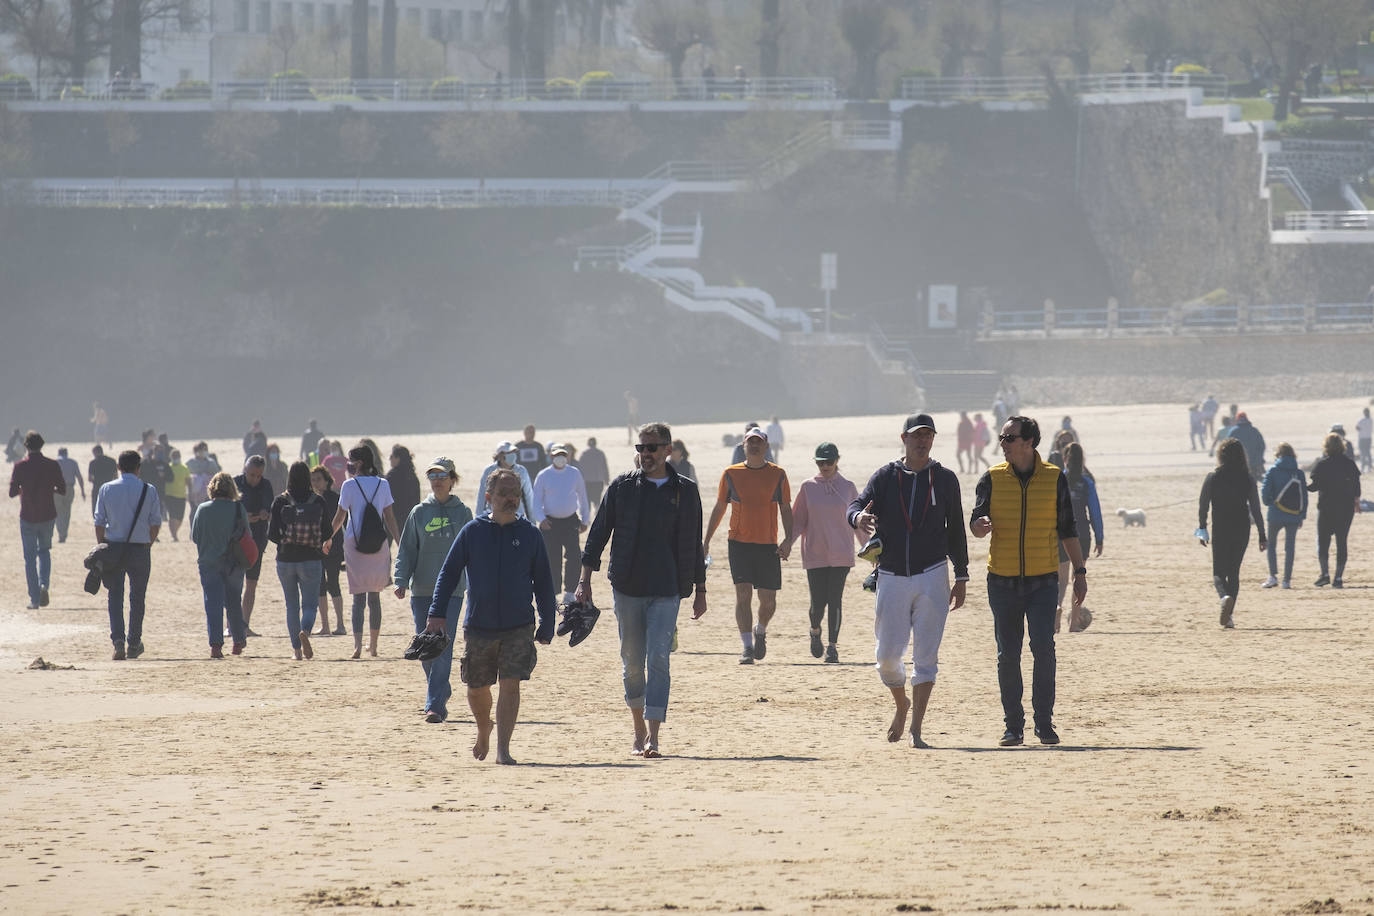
x=1321 y=165
x=836 y=376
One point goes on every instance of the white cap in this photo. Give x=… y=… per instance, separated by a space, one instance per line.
x=504 y=447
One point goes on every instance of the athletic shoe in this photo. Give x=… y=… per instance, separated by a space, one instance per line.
x=1337 y=583
x=42 y=596
x=340 y=631
x=1010 y=739
x=747 y=656
x=831 y=656
x=1228 y=604
x=1323 y=579
x=434 y=717
x=135 y=649
x=817 y=649
x=1271 y=582
x=33 y=605
x=251 y=633
x=760 y=644
x=118 y=652
x=1287 y=584
x=217 y=651
x=1046 y=734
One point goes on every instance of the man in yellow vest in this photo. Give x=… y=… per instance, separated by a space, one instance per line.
x=1025 y=504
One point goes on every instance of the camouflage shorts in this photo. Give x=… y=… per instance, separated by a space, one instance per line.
x=492 y=655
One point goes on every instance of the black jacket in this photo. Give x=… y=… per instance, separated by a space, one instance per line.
x=931 y=497
x=1336 y=481
x=622 y=512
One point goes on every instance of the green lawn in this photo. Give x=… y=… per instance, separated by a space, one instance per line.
x=1281 y=200
x=1255 y=109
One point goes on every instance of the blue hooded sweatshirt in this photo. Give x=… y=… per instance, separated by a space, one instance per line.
x=1276 y=481
x=508 y=574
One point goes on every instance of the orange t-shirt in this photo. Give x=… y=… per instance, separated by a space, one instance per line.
x=754 y=495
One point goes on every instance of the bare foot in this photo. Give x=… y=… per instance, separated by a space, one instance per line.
x=898 y=726
x=505 y=759
x=372 y=650
x=479 y=748
x=917 y=742
x=358 y=652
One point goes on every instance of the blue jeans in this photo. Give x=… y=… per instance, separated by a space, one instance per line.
x=437 y=686
x=138 y=565
x=1290 y=537
x=300 y=585
x=1018 y=605
x=37 y=540
x=222 y=586
x=646 y=643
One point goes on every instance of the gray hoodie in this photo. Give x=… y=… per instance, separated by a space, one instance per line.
x=425 y=541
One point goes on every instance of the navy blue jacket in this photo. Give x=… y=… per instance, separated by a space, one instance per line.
x=931 y=497
x=508 y=573
x=621 y=512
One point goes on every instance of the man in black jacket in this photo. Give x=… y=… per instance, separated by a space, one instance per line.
x=913 y=503
x=652 y=517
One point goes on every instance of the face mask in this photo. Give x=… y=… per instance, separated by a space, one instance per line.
x=509 y=459
x=560 y=461
x=273 y=456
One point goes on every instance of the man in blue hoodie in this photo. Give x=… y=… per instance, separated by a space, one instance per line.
x=508 y=573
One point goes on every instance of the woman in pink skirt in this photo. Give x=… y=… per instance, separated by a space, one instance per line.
x=369 y=573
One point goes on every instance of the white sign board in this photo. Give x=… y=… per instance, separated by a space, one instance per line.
x=829 y=271
x=943 y=306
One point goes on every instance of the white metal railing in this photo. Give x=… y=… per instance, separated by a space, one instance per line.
x=1196 y=318
x=950 y=88
x=313 y=195
x=1284 y=175
x=1317 y=220
x=425 y=90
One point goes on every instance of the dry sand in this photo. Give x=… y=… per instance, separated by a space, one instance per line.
x=1202 y=770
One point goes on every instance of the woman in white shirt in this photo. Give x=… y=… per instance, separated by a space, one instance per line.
x=368 y=573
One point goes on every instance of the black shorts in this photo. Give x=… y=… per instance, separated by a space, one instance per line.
x=756 y=564
x=176 y=508
x=252 y=572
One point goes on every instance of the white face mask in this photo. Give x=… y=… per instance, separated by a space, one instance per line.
x=508 y=459
x=560 y=461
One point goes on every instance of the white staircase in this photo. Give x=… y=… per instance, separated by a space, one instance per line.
x=685 y=287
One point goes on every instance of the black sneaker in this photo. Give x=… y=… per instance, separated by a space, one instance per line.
x=831 y=656
x=43 y=594
x=747 y=656
x=760 y=645
x=1335 y=583
x=1011 y=739
x=817 y=648
x=1046 y=734
x=1323 y=579
x=135 y=650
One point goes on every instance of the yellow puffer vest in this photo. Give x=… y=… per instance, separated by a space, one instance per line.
x=1025 y=525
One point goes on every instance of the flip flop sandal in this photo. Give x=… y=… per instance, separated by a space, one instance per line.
x=651 y=752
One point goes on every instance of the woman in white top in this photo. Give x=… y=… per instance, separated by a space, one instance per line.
x=368 y=573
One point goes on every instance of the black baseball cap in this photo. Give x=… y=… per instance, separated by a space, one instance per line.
x=918 y=421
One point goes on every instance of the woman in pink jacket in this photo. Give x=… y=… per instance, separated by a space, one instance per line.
x=827 y=543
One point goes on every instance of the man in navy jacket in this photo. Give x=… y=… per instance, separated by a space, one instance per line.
x=508 y=575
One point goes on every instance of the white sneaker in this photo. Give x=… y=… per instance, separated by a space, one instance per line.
x=1271 y=582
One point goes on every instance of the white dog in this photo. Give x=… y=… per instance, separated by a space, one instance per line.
x=1131 y=517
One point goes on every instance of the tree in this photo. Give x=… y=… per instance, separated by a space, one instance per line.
x=16 y=145
x=515 y=40
x=357 y=52
x=238 y=138
x=359 y=144
x=672 y=29
x=957 y=32
x=1297 y=33
x=869 y=28
x=283 y=40
x=38 y=28
x=127 y=19
x=769 y=33
x=332 y=37
x=389 y=16
x=538 y=39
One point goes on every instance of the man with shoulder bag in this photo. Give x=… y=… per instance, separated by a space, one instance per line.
x=128 y=516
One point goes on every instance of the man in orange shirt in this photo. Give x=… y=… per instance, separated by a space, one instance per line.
x=756 y=490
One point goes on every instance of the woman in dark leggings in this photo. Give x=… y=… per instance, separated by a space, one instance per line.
x=1336 y=481
x=1229 y=492
x=323 y=483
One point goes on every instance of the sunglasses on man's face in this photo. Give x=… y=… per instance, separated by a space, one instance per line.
x=651 y=447
x=1011 y=437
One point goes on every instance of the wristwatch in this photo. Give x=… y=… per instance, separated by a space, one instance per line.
x=1081 y=571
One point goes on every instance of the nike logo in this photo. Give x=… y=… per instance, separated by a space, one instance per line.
x=436 y=524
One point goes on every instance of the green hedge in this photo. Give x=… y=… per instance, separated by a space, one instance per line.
x=1324 y=129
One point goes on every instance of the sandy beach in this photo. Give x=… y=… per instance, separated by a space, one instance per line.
x=1201 y=771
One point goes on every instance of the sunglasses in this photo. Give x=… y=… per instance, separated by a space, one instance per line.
x=1010 y=437
x=651 y=447
x=825 y=462
x=437 y=475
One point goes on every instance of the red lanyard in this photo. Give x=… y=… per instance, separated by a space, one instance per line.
x=908 y=511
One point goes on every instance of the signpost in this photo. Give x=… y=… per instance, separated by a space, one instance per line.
x=829 y=280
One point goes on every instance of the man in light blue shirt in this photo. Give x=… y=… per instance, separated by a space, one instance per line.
x=118 y=517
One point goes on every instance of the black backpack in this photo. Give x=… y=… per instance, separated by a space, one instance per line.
x=1292 y=499
x=371 y=533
